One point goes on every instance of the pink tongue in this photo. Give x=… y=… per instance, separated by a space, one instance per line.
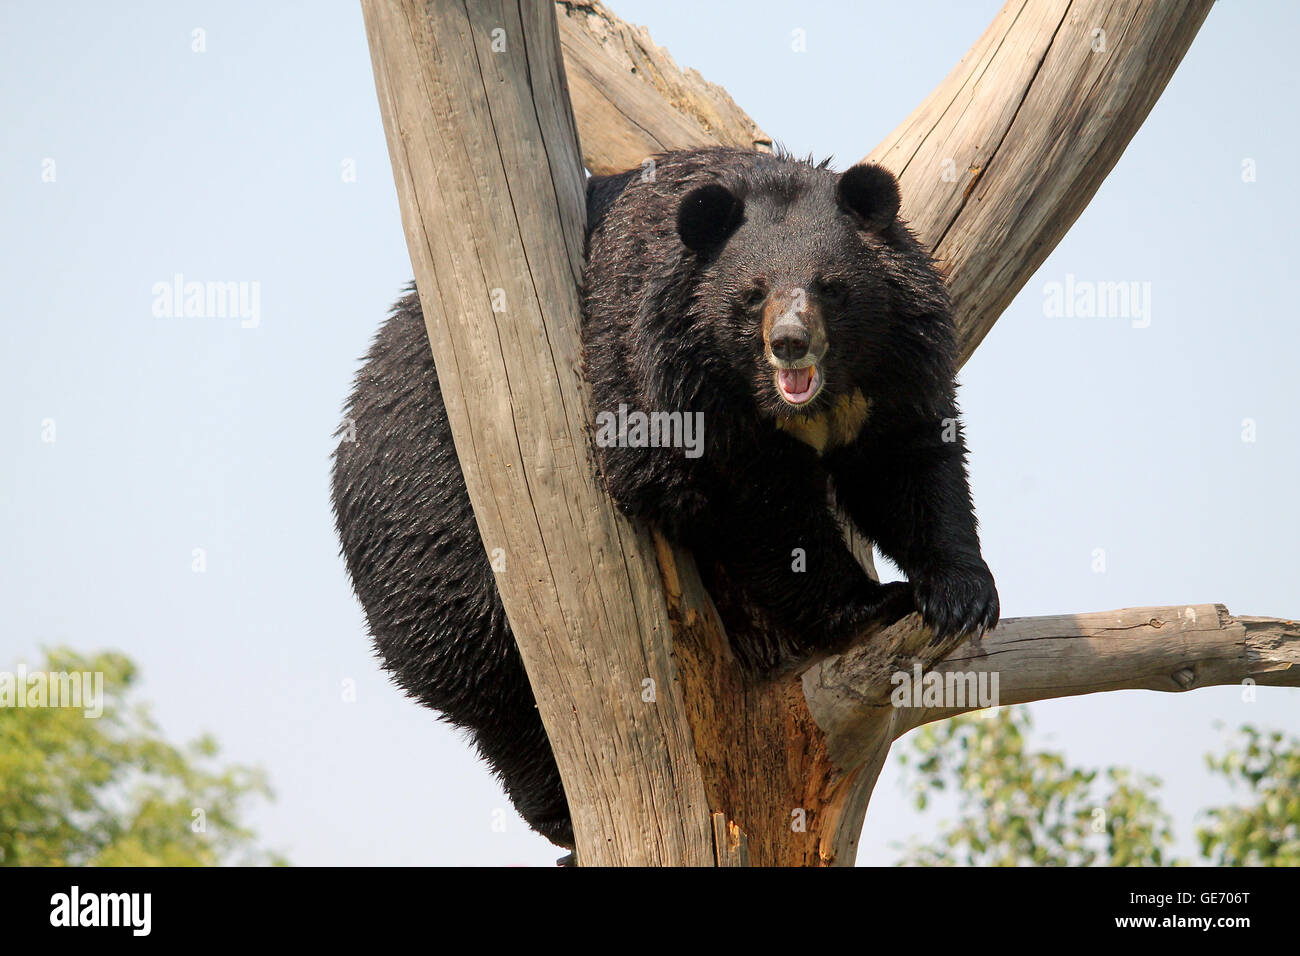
x=795 y=381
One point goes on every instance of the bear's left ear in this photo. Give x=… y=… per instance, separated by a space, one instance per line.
x=708 y=215
x=870 y=193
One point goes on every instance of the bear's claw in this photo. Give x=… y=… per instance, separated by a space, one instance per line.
x=957 y=599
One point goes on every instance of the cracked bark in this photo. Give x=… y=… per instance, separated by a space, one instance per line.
x=995 y=166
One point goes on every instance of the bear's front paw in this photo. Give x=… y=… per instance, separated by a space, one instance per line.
x=958 y=598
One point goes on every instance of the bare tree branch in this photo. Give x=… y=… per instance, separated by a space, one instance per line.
x=995 y=166
x=486 y=164
x=634 y=100
x=1003 y=156
x=1172 y=649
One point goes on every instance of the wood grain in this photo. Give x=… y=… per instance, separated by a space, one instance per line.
x=485 y=157
x=996 y=164
x=633 y=98
x=999 y=161
x=1171 y=649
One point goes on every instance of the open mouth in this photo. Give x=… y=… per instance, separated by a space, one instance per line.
x=798 y=386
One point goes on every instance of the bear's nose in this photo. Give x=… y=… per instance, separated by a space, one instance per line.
x=789 y=340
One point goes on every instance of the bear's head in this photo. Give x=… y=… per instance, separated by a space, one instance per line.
x=814 y=291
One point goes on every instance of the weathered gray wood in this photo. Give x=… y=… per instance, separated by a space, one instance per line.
x=620 y=81
x=485 y=157
x=491 y=199
x=996 y=163
x=1038 y=658
x=1003 y=156
x=1172 y=649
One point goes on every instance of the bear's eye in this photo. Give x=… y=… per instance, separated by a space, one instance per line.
x=831 y=290
x=755 y=297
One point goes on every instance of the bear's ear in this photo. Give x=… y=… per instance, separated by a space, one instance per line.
x=708 y=215
x=870 y=193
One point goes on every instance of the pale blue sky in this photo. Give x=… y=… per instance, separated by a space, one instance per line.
x=183 y=433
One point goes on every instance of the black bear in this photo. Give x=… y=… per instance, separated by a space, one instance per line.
x=757 y=331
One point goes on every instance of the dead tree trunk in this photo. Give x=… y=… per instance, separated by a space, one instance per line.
x=489 y=177
x=669 y=754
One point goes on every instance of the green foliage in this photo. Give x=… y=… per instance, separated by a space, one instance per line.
x=109 y=791
x=1024 y=807
x=1021 y=806
x=1267 y=831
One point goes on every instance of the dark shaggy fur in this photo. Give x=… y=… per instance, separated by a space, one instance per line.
x=688 y=272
